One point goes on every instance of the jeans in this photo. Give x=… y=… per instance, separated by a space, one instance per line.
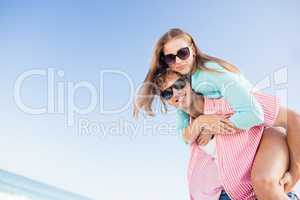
x=224 y=196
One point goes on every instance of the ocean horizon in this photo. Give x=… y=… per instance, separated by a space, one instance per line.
x=17 y=187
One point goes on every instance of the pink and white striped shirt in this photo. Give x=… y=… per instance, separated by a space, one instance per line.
x=231 y=170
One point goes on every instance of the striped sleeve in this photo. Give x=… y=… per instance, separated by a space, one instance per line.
x=270 y=105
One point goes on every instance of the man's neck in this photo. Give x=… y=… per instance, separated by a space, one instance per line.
x=197 y=106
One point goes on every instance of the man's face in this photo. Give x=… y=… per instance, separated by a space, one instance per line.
x=180 y=98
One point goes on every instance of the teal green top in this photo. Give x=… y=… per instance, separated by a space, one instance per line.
x=234 y=88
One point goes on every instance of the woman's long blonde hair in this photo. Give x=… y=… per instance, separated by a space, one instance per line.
x=148 y=90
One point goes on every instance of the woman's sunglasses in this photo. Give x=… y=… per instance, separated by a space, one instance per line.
x=183 y=54
x=178 y=85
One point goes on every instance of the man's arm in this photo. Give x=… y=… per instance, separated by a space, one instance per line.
x=290 y=120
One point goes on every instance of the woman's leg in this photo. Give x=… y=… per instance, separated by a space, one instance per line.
x=270 y=164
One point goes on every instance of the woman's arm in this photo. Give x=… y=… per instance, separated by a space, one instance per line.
x=236 y=90
x=182 y=120
x=182 y=125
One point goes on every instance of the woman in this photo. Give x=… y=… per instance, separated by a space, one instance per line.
x=216 y=78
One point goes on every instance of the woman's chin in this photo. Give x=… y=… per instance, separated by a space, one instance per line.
x=184 y=71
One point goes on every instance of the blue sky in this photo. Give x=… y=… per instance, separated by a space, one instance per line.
x=83 y=39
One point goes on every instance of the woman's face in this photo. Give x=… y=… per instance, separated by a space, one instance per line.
x=182 y=66
x=181 y=98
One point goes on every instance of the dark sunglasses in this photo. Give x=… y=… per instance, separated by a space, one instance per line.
x=183 y=54
x=178 y=85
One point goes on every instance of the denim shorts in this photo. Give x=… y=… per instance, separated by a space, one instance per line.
x=224 y=196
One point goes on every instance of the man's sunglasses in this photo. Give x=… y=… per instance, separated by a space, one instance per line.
x=178 y=85
x=183 y=54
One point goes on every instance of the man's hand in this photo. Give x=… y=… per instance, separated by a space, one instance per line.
x=288 y=181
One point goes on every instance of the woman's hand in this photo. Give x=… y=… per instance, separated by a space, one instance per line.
x=208 y=125
x=204 y=139
x=212 y=124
